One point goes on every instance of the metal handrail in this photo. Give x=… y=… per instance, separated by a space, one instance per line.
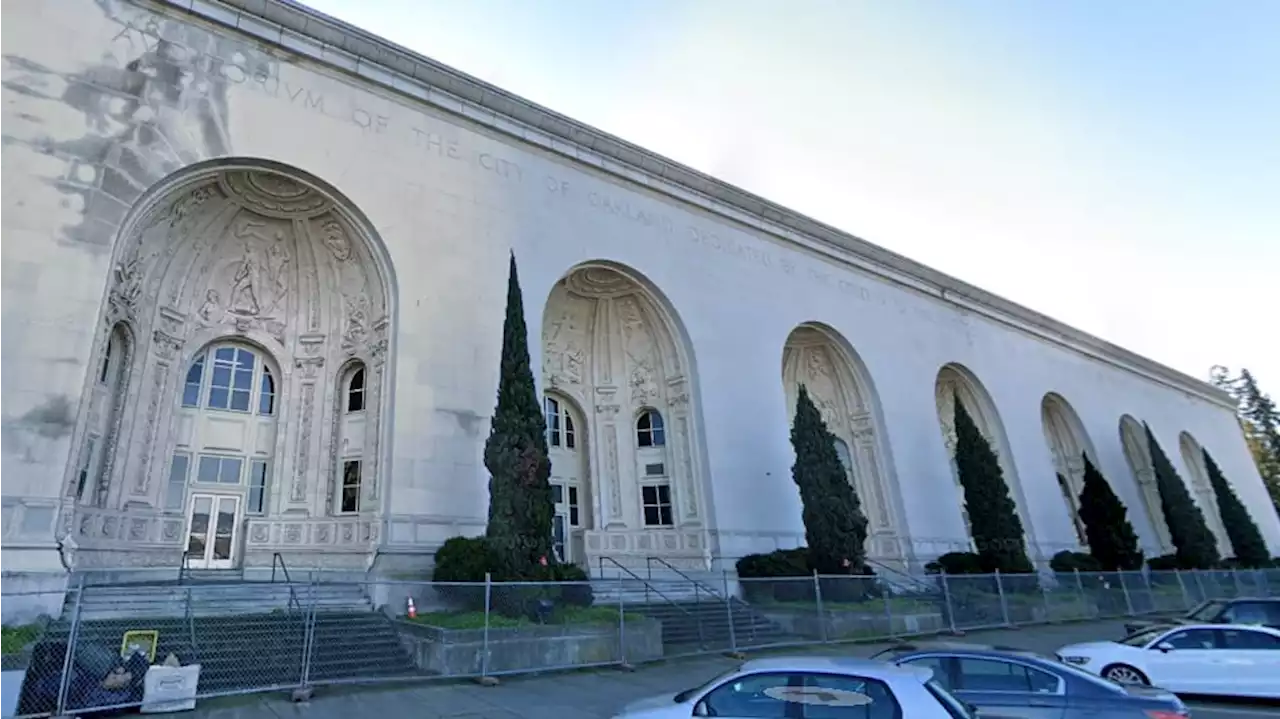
x=284 y=569
x=647 y=588
x=648 y=561
x=912 y=579
x=184 y=566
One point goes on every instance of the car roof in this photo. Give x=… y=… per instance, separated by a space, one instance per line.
x=1165 y=627
x=869 y=668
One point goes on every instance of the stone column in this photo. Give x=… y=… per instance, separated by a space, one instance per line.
x=304 y=473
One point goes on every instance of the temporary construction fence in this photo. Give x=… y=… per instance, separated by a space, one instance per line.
x=114 y=646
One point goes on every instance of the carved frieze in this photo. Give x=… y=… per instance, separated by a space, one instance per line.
x=335 y=238
x=355 y=332
x=142 y=480
x=273 y=195
x=307 y=418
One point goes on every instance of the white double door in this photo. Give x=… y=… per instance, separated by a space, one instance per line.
x=213 y=530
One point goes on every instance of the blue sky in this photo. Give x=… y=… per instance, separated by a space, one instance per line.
x=1114 y=165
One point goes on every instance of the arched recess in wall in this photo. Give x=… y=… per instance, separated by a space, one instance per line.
x=108 y=389
x=1133 y=438
x=956 y=381
x=1198 y=476
x=821 y=359
x=1068 y=443
x=615 y=349
x=250 y=255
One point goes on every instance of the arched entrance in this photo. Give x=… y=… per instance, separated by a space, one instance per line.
x=1068 y=445
x=252 y=291
x=617 y=369
x=1138 y=455
x=955 y=381
x=819 y=358
x=1202 y=489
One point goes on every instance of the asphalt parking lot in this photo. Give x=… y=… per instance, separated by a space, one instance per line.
x=599 y=694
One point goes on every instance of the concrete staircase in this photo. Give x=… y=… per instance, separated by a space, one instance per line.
x=211 y=598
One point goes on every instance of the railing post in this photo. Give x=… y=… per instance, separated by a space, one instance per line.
x=1235 y=575
x=488 y=602
x=697 y=603
x=309 y=635
x=822 y=614
x=1044 y=594
x=622 y=624
x=728 y=608
x=1128 y=601
x=1151 y=594
x=946 y=599
x=1004 y=601
x=887 y=595
x=1204 y=594
x=68 y=661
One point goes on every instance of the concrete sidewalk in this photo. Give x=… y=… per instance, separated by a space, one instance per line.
x=588 y=694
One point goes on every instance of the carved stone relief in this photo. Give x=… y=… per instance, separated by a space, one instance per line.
x=255 y=254
x=565 y=342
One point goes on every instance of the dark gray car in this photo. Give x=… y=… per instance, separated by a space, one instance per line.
x=1006 y=681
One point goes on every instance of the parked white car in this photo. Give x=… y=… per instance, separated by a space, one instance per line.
x=809 y=688
x=1214 y=659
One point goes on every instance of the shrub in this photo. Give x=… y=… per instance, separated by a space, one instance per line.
x=793 y=571
x=956 y=563
x=1164 y=563
x=461 y=565
x=1066 y=562
x=1112 y=541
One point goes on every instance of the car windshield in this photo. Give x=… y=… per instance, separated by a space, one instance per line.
x=1206 y=611
x=956 y=708
x=1142 y=638
x=688 y=694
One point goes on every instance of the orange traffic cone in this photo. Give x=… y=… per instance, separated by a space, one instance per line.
x=413 y=611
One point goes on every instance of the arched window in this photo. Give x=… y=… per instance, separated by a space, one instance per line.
x=649 y=429
x=355 y=391
x=229 y=385
x=846 y=459
x=560 y=430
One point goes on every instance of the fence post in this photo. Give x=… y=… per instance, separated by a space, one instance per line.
x=1004 y=601
x=484 y=647
x=308 y=633
x=1084 y=598
x=1182 y=586
x=1235 y=575
x=622 y=623
x=728 y=608
x=68 y=661
x=1151 y=594
x=822 y=615
x=1128 y=601
x=887 y=595
x=1044 y=594
x=946 y=601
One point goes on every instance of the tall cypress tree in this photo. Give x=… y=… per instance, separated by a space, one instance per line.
x=993 y=515
x=1195 y=545
x=1246 y=541
x=520 y=506
x=834 y=526
x=1112 y=540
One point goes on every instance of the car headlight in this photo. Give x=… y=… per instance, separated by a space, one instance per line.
x=1078 y=661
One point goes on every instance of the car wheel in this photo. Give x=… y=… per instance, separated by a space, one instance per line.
x=1124 y=674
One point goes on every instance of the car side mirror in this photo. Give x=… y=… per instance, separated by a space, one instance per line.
x=1165 y=647
x=700 y=709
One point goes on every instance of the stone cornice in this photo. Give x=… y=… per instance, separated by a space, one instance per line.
x=332 y=42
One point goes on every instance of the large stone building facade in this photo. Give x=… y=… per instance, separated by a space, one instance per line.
x=254 y=272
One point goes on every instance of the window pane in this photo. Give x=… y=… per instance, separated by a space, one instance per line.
x=258 y=473
x=219 y=398
x=664 y=494
x=229 y=472
x=643 y=424
x=357 y=380
x=350 y=499
x=655 y=420
x=557 y=493
x=191 y=395
x=240 y=400
x=936 y=664
x=758 y=696
x=244 y=379
x=649 y=494
x=573 y=515
x=981 y=675
x=256 y=496
x=208 y=470
x=1192 y=639
x=659 y=438
x=245 y=360
x=226 y=354
x=221 y=376
x=573 y=496
x=874 y=699
x=267 y=394
x=197 y=370
x=651 y=516
x=644 y=439
x=568 y=438
x=664 y=515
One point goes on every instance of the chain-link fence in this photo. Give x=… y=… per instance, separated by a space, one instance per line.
x=112 y=645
